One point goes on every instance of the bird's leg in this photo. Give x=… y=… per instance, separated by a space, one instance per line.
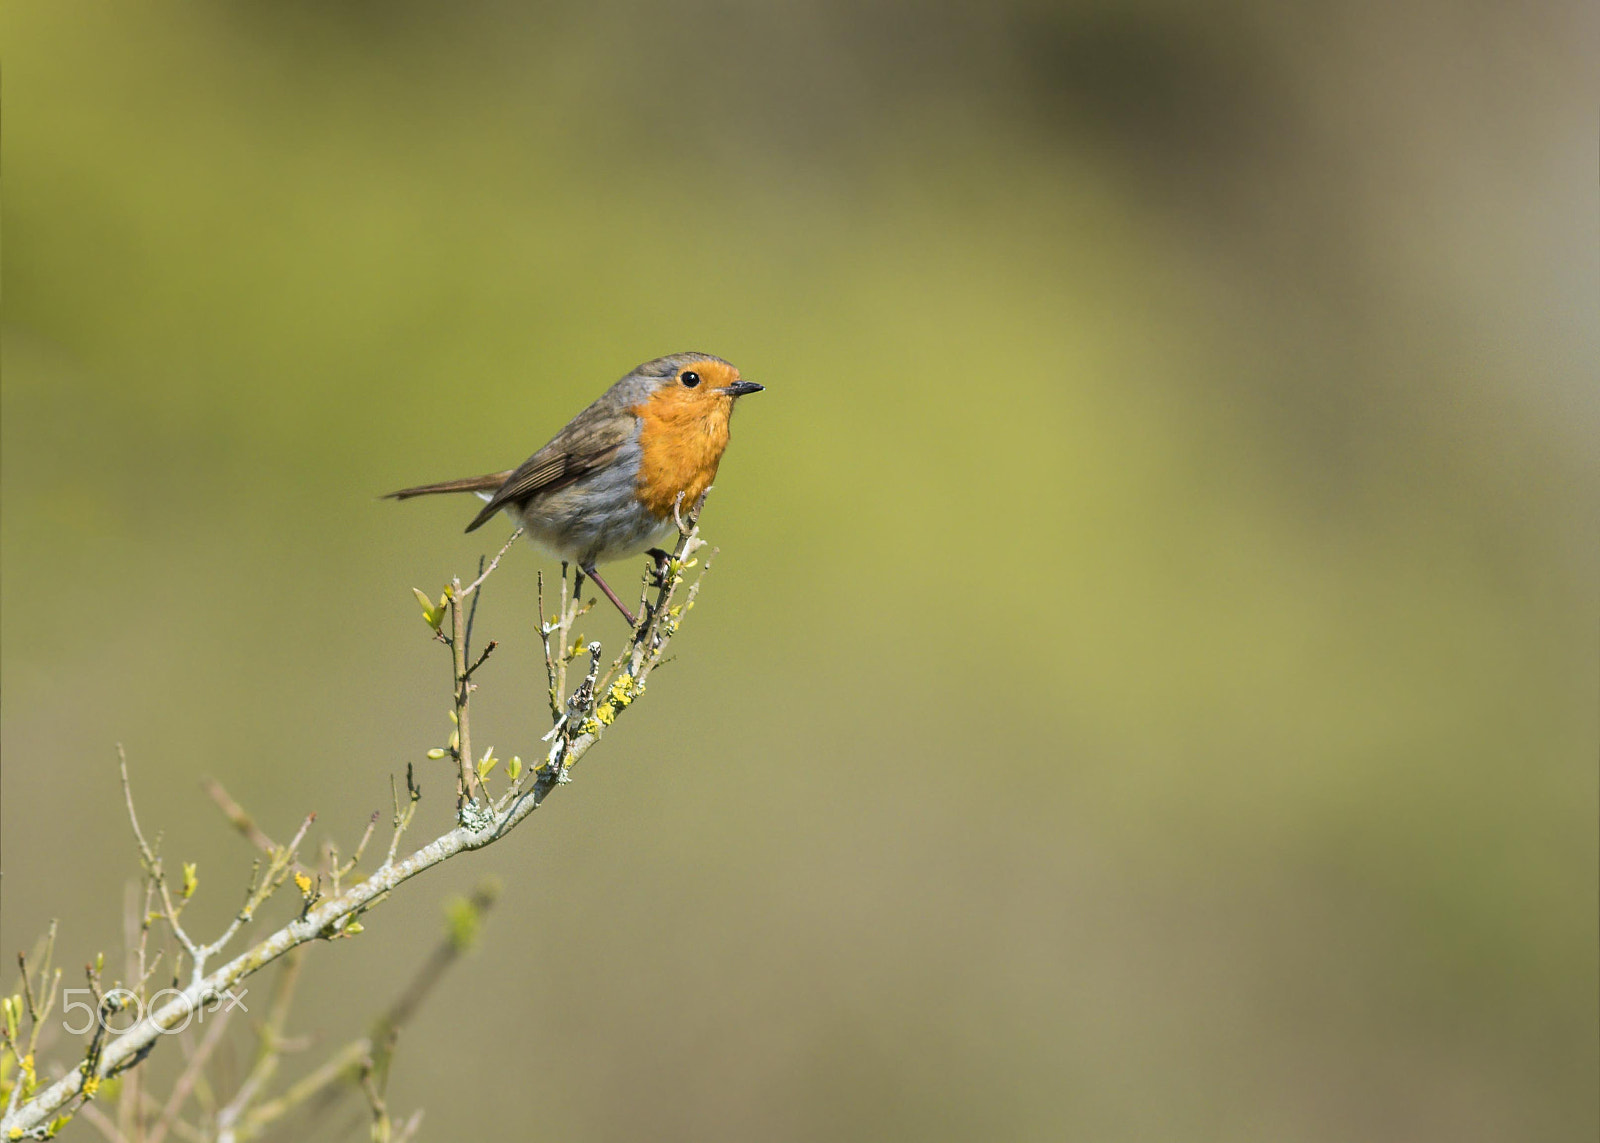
x=611 y=595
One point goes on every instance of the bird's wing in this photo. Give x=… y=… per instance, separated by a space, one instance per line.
x=578 y=450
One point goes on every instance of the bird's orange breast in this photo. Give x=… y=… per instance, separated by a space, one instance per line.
x=681 y=440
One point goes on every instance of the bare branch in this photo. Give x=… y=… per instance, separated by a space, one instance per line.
x=485 y=573
x=152 y=865
x=578 y=724
x=235 y=813
x=402 y=816
x=461 y=741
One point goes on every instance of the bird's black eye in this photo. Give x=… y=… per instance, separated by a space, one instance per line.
x=689 y=378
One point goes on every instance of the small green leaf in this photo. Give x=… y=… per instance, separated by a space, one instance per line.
x=431 y=615
x=514 y=768
x=191 y=879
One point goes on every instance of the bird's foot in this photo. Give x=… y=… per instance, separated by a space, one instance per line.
x=658 y=573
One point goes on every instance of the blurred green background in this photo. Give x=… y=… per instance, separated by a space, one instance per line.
x=1148 y=688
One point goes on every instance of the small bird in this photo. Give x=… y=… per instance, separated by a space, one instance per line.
x=606 y=485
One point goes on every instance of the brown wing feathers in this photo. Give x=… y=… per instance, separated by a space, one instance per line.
x=591 y=441
x=542 y=473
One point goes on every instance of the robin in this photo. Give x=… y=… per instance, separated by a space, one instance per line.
x=605 y=487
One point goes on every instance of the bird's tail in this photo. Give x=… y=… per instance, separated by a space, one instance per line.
x=486 y=483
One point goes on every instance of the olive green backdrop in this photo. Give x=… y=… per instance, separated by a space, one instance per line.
x=1148 y=687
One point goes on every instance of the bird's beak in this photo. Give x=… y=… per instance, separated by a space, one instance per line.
x=740 y=388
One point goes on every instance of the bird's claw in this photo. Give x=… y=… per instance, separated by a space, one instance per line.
x=658 y=573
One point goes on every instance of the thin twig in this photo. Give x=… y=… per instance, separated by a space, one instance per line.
x=546 y=629
x=189 y=1076
x=235 y=813
x=337 y=872
x=483 y=657
x=101 y=1122
x=472 y=612
x=336 y=1067
x=408 y=1130
x=485 y=572
x=467 y=783
x=152 y=864
x=402 y=816
x=269 y=1045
